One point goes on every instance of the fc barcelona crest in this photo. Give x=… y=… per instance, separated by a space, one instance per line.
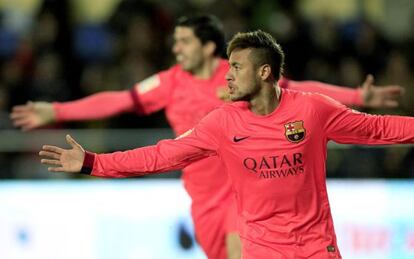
x=294 y=131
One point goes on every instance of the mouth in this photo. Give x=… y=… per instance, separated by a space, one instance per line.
x=231 y=88
x=180 y=58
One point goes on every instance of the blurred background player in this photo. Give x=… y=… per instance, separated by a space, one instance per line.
x=187 y=92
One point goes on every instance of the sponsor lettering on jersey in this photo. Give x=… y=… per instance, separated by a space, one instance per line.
x=276 y=166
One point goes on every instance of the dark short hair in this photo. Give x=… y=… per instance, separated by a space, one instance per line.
x=206 y=28
x=266 y=49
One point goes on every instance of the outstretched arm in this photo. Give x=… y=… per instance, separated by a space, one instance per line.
x=368 y=95
x=165 y=156
x=145 y=97
x=348 y=126
x=97 y=106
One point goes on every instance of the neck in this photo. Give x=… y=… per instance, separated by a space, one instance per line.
x=207 y=69
x=267 y=100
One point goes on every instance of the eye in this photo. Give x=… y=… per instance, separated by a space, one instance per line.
x=185 y=41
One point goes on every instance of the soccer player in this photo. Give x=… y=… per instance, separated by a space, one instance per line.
x=272 y=142
x=196 y=81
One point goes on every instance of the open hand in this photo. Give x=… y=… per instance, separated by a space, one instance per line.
x=32 y=115
x=386 y=96
x=63 y=160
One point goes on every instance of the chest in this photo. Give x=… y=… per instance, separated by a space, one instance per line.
x=276 y=150
x=276 y=164
x=193 y=100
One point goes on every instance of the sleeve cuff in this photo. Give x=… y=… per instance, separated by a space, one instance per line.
x=359 y=99
x=88 y=163
x=139 y=109
x=56 y=110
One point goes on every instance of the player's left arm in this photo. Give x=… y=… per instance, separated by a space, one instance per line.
x=368 y=95
x=348 y=126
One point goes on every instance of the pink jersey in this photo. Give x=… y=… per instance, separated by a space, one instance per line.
x=276 y=164
x=186 y=101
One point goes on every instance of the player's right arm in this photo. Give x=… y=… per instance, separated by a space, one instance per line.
x=145 y=97
x=166 y=155
x=97 y=106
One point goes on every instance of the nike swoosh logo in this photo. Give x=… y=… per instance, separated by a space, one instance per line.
x=236 y=139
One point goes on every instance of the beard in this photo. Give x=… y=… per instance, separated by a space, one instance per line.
x=247 y=95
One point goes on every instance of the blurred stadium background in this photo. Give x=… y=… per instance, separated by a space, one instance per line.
x=66 y=49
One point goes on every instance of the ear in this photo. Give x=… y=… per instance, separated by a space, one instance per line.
x=209 y=48
x=265 y=72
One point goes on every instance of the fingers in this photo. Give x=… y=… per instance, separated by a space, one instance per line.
x=52 y=156
x=391 y=103
x=46 y=161
x=57 y=166
x=54 y=149
x=368 y=83
x=22 y=118
x=56 y=169
x=50 y=162
x=22 y=108
x=369 y=80
x=15 y=115
x=21 y=111
x=72 y=142
x=394 y=90
x=49 y=154
x=23 y=122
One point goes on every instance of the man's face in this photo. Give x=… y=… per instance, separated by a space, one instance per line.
x=242 y=77
x=187 y=48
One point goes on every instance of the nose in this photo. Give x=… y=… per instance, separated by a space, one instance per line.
x=176 y=48
x=229 y=75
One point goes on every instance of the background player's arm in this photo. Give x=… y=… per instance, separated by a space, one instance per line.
x=97 y=106
x=348 y=126
x=167 y=155
x=368 y=95
x=147 y=96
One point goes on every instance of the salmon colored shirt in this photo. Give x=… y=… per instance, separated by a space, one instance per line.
x=186 y=101
x=276 y=165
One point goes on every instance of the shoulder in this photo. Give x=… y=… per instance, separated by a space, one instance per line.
x=233 y=107
x=308 y=97
x=312 y=103
x=222 y=111
x=174 y=70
